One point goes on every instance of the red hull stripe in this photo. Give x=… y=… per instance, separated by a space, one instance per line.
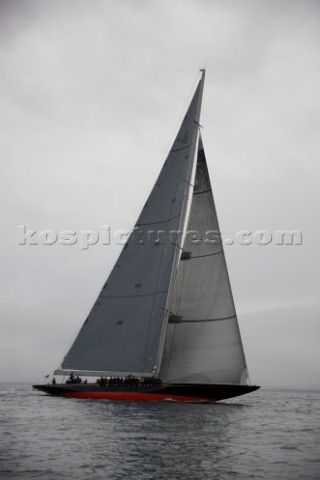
x=136 y=396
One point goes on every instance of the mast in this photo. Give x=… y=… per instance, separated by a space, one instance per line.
x=182 y=224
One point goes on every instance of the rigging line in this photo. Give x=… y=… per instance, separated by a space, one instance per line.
x=155 y=341
x=179 y=299
x=193 y=132
x=183 y=113
x=156 y=223
x=202 y=113
x=179 y=149
x=197 y=123
x=176 y=286
x=187 y=182
x=208 y=255
x=158 y=274
x=174 y=244
x=203 y=320
x=203 y=191
x=164 y=309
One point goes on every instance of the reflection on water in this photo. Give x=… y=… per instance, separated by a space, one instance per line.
x=263 y=435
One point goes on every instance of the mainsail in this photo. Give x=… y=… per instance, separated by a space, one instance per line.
x=125 y=329
x=203 y=343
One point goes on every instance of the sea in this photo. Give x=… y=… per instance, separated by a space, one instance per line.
x=264 y=435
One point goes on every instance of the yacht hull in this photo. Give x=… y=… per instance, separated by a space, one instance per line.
x=199 y=393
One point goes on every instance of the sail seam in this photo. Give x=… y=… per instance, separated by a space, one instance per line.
x=134 y=296
x=208 y=255
x=182 y=148
x=203 y=320
x=156 y=223
x=203 y=191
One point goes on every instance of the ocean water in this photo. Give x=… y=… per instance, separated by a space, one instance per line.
x=263 y=435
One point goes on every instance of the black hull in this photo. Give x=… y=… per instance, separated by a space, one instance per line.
x=175 y=392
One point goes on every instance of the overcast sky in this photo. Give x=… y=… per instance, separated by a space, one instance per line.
x=92 y=93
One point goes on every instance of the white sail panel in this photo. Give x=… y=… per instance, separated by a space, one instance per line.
x=124 y=328
x=203 y=343
x=207 y=278
x=213 y=365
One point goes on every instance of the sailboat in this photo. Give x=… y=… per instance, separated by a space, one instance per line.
x=164 y=326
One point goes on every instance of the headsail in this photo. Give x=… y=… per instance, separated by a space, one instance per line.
x=203 y=343
x=124 y=328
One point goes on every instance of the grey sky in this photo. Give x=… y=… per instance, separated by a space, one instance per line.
x=91 y=96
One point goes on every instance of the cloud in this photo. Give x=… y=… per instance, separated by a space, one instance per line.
x=91 y=97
